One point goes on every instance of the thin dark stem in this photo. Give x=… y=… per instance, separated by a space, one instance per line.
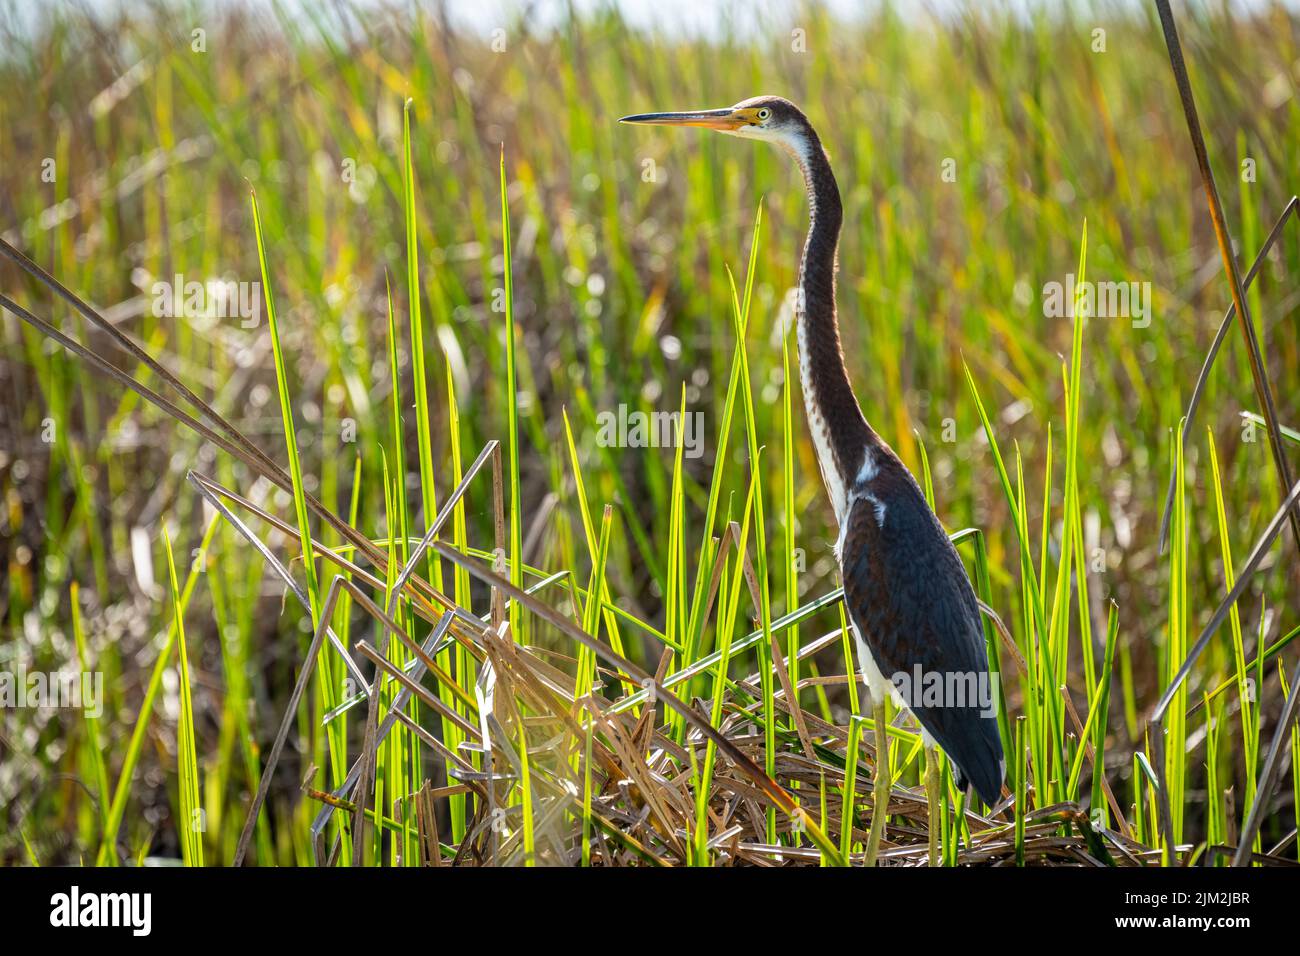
x=1257 y=370
x=1259 y=374
x=1201 y=380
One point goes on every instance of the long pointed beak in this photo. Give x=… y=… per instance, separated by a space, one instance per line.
x=727 y=119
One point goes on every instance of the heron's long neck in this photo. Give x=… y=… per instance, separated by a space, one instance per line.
x=840 y=432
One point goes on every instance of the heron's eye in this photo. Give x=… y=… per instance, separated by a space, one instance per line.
x=764 y=113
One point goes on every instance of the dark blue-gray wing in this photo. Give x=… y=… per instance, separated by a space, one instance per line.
x=907 y=592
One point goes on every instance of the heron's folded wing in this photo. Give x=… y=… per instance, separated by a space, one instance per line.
x=908 y=595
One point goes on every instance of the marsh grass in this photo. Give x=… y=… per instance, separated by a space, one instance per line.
x=635 y=657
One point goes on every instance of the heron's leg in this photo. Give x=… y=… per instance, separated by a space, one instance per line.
x=880 y=788
x=933 y=781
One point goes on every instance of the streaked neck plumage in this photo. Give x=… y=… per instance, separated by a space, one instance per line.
x=845 y=443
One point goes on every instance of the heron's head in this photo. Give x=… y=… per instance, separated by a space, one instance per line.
x=770 y=118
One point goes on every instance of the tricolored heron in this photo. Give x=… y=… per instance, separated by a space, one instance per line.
x=910 y=603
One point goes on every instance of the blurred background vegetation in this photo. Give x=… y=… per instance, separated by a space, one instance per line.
x=621 y=239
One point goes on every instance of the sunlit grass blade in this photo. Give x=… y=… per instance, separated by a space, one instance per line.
x=790 y=556
x=1295 y=748
x=592 y=611
x=740 y=318
x=94 y=749
x=190 y=825
x=1247 y=710
x=1175 y=649
x=512 y=413
x=849 y=805
x=424 y=429
x=117 y=808
x=728 y=606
